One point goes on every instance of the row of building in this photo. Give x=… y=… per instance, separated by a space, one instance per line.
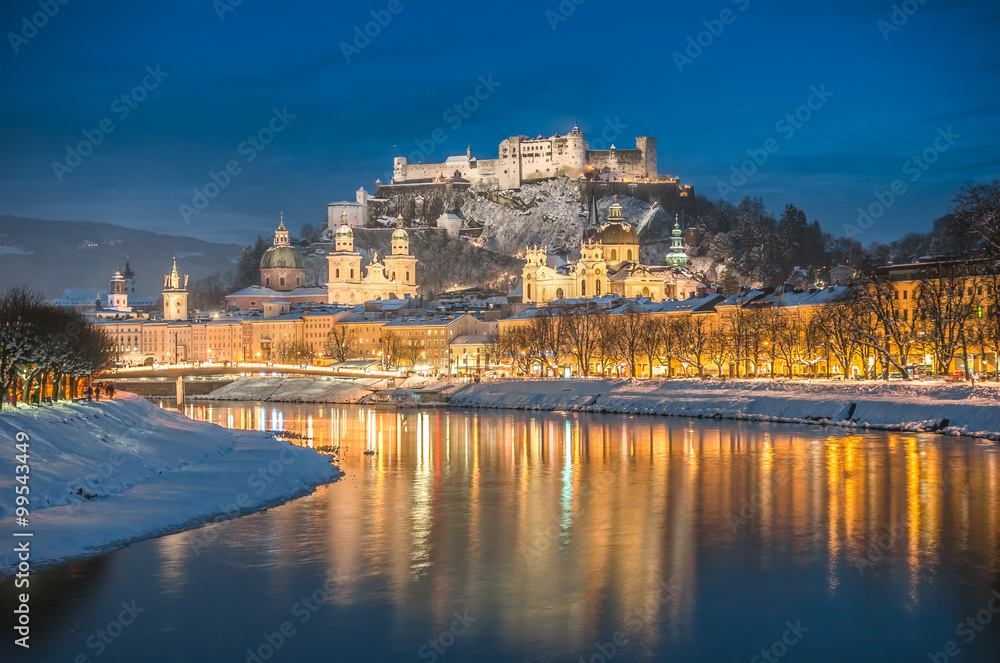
x=400 y=334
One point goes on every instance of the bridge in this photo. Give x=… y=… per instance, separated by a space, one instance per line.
x=203 y=377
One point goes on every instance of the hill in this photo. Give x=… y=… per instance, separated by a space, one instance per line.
x=52 y=256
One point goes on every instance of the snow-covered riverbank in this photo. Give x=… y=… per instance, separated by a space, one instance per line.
x=295 y=390
x=104 y=474
x=957 y=409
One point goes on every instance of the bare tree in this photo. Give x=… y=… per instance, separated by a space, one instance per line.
x=880 y=324
x=411 y=351
x=390 y=350
x=630 y=329
x=608 y=346
x=835 y=319
x=341 y=342
x=514 y=341
x=492 y=349
x=580 y=328
x=543 y=338
x=718 y=347
x=943 y=311
x=693 y=338
x=786 y=340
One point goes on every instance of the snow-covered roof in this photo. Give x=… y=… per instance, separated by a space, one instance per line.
x=699 y=305
x=810 y=297
x=458 y=158
x=261 y=291
x=471 y=339
x=425 y=321
x=87 y=297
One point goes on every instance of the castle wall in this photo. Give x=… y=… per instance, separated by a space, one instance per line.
x=521 y=159
x=632 y=162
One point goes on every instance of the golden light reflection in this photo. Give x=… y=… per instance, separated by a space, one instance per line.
x=508 y=510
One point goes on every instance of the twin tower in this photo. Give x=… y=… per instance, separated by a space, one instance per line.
x=394 y=277
x=283 y=269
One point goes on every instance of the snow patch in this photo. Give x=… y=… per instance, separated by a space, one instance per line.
x=948 y=408
x=295 y=390
x=106 y=473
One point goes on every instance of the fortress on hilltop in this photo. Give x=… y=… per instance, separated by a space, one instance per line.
x=522 y=159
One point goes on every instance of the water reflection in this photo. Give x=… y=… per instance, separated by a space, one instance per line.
x=566 y=527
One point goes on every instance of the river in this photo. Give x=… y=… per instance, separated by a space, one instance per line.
x=534 y=536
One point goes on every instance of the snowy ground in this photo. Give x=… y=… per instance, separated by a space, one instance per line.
x=295 y=390
x=105 y=474
x=972 y=411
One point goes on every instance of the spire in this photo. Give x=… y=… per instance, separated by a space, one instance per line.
x=281 y=234
x=592 y=220
x=399 y=220
x=343 y=215
x=175 y=278
x=677 y=257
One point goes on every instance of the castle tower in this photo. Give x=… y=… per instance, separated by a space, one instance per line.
x=401 y=267
x=574 y=162
x=175 y=296
x=677 y=258
x=647 y=147
x=118 y=293
x=282 y=267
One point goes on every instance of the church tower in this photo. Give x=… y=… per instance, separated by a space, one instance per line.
x=129 y=276
x=677 y=258
x=118 y=293
x=343 y=284
x=401 y=267
x=282 y=266
x=175 y=296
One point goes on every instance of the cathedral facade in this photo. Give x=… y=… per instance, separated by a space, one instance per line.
x=393 y=277
x=608 y=265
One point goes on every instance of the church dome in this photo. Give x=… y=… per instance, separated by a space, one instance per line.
x=400 y=233
x=282 y=256
x=345 y=231
x=616 y=233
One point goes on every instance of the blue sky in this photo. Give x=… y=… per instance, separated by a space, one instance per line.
x=889 y=94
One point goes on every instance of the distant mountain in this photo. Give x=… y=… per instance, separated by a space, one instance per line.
x=52 y=256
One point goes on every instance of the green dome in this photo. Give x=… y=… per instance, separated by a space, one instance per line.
x=282 y=256
x=399 y=233
x=345 y=231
